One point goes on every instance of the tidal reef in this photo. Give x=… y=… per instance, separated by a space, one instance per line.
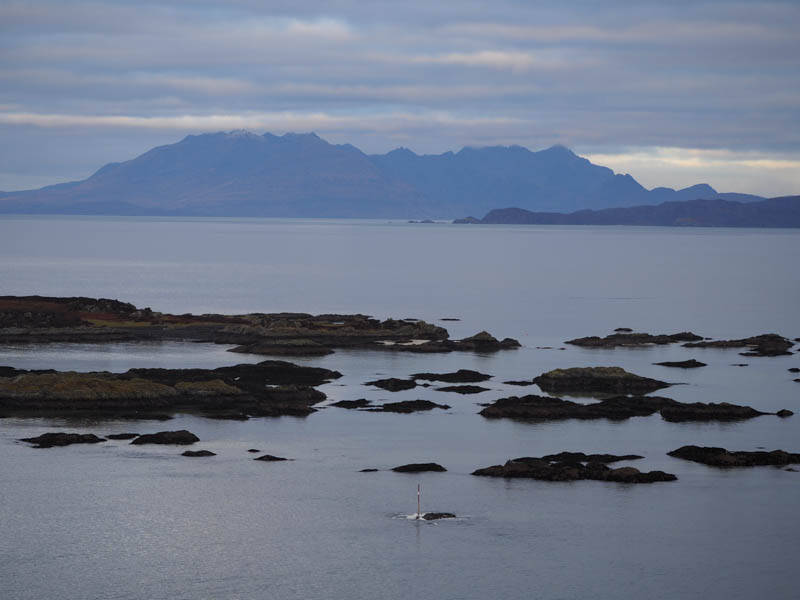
x=419 y=468
x=623 y=337
x=573 y=466
x=269 y=388
x=393 y=384
x=597 y=380
x=51 y=440
x=767 y=344
x=682 y=364
x=720 y=457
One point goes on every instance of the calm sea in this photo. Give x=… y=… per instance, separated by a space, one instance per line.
x=116 y=521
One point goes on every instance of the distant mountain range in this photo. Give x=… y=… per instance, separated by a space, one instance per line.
x=301 y=175
x=775 y=212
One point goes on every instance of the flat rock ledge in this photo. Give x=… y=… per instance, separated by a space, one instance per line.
x=181 y=437
x=460 y=376
x=767 y=344
x=58 y=439
x=623 y=337
x=463 y=389
x=720 y=457
x=682 y=364
x=419 y=468
x=550 y=468
x=597 y=380
x=408 y=406
x=360 y=403
x=198 y=453
x=545 y=408
x=393 y=384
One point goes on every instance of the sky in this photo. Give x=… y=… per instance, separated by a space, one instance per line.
x=674 y=93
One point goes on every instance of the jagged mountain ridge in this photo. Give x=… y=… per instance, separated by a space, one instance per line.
x=302 y=175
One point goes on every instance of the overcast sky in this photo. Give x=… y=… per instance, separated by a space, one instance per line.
x=674 y=93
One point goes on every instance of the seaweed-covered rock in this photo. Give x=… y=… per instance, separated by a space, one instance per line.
x=720 y=457
x=460 y=376
x=270 y=458
x=784 y=413
x=291 y=347
x=545 y=408
x=699 y=411
x=50 y=440
x=682 y=364
x=521 y=383
x=393 y=384
x=181 y=437
x=546 y=469
x=485 y=342
x=767 y=344
x=360 y=403
x=419 y=468
x=198 y=453
x=434 y=516
x=601 y=380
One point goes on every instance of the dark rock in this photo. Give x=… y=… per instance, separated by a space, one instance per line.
x=460 y=376
x=683 y=364
x=796 y=380
x=368 y=471
x=227 y=416
x=699 y=411
x=519 y=383
x=485 y=342
x=602 y=380
x=547 y=469
x=433 y=516
x=545 y=408
x=122 y=436
x=50 y=440
x=790 y=469
x=270 y=458
x=181 y=437
x=585 y=458
x=633 y=339
x=252 y=450
x=292 y=347
x=419 y=468
x=623 y=330
x=463 y=389
x=794 y=370
x=784 y=413
x=449 y=319
x=739 y=364
x=768 y=344
x=198 y=453
x=393 y=384
x=720 y=457
x=360 y=403
x=408 y=406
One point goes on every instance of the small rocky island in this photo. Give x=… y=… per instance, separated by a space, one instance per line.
x=720 y=457
x=597 y=380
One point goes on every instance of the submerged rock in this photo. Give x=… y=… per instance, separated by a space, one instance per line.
x=181 y=437
x=682 y=364
x=419 y=468
x=521 y=383
x=699 y=411
x=291 y=347
x=720 y=457
x=463 y=389
x=549 y=468
x=434 y=516
x=198 y=453
x=768 y=344
x=784 y=413
x=460 y=376
x=360 y=403
x=602 y=380
x=50 y=440
x=368 y=471
x=393 y=384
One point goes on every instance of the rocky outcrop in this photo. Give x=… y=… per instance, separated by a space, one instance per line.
x=463 y=389
x=720 y=457
x=198 y=453
x=549 y=468
x=682 y=364
x=485 y=342
x=545 y=408
x=269 y=388
x=360 y=403
x=623 y=338
x=419 y=468
x=768 y=344
x=460 y=376
x=599 y=380
x=435 y=516
x=699 y=411
x=583 y=458
x=408 y=406
x=50 y=440
x=181 y=437
x=393 y=384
